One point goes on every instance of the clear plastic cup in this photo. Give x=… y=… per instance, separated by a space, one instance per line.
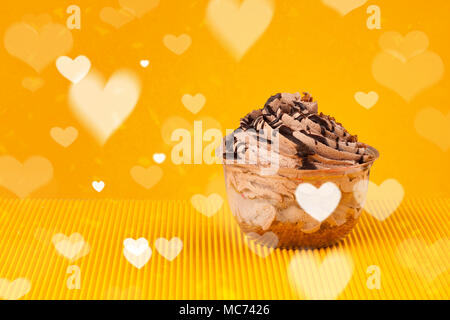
x=266 y=208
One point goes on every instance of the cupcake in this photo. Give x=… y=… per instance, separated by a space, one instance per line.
x=295 y=173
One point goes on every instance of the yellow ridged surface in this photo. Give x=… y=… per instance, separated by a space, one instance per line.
x=215 y=262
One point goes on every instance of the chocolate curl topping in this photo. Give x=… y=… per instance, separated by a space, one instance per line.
x=308 y=139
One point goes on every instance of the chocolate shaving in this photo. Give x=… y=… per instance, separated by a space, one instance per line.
x=306 y=97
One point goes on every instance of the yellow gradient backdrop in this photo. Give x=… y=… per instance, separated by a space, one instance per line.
x=307 y=46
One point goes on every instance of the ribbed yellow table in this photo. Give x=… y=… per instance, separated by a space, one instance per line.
x=408 y=251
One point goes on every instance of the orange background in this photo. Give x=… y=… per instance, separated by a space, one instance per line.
x=307 y=47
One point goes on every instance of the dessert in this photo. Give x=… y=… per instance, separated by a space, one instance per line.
x=281 y=146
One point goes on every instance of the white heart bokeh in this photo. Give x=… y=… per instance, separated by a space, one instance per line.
x=137 y=252
x=144 y=63
x=320 y=279
x=75 y=70
x=98 y=186
x=169 y=249
x=159 y=157
x=318 y=203
x=101 y=107
x=262 y=245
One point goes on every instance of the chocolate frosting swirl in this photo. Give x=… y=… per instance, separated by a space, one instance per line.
x=306 y=139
